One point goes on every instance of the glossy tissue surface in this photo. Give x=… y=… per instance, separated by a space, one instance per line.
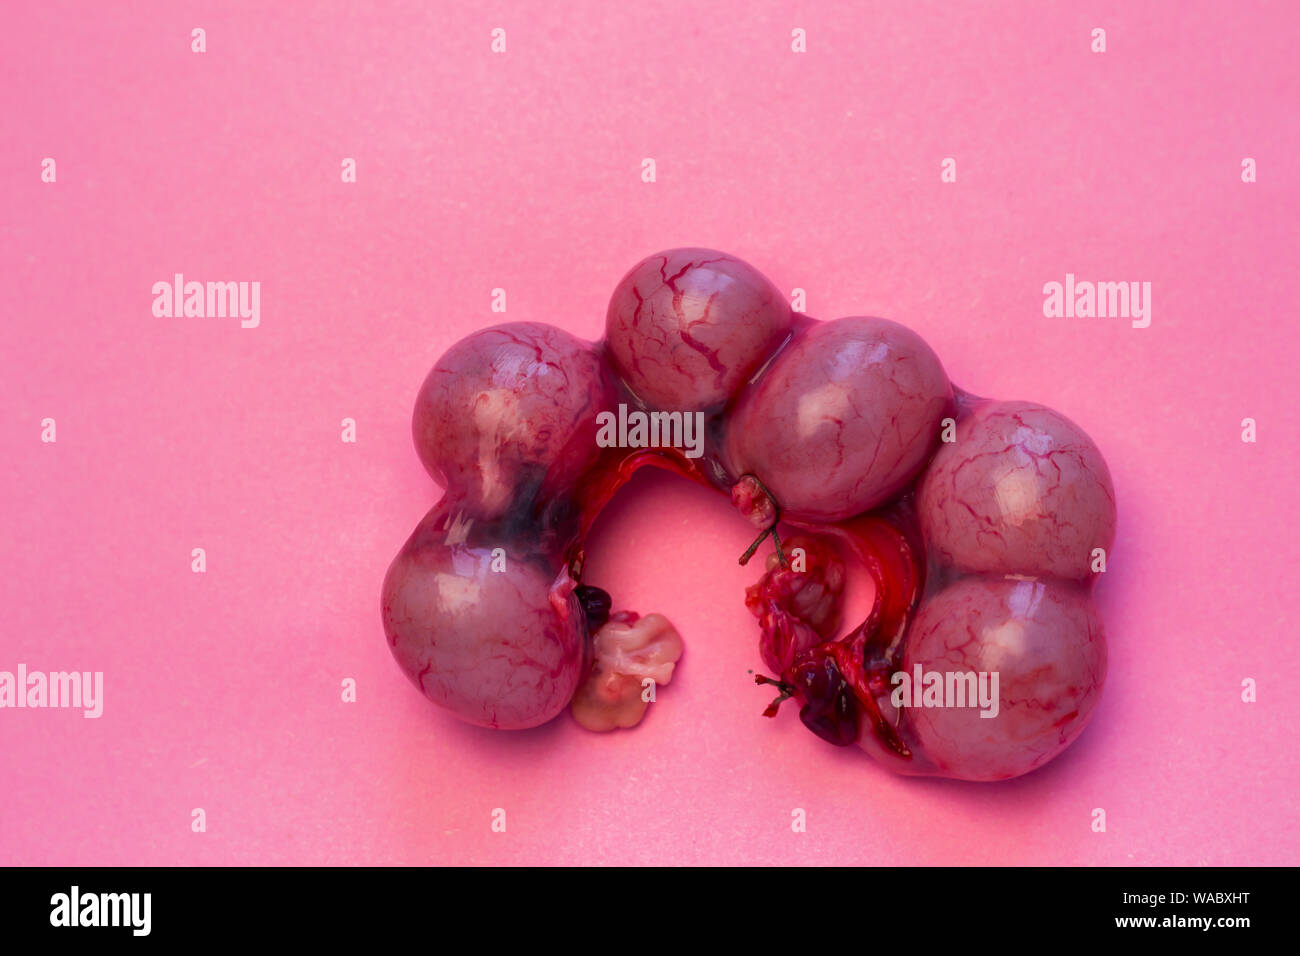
x=981 y=524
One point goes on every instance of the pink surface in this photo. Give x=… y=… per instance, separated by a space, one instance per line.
x=522 y=171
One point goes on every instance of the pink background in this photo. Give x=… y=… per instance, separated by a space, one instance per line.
x=521 y=171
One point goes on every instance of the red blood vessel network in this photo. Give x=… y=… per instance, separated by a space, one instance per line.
x=983 y=524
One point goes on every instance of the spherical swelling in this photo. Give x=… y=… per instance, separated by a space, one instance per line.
x=687 y=327
x=845 y=416
x=1021 y=491
x=1044 y=641
x=486 y=609
x=507 y=408
x=490 y=646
